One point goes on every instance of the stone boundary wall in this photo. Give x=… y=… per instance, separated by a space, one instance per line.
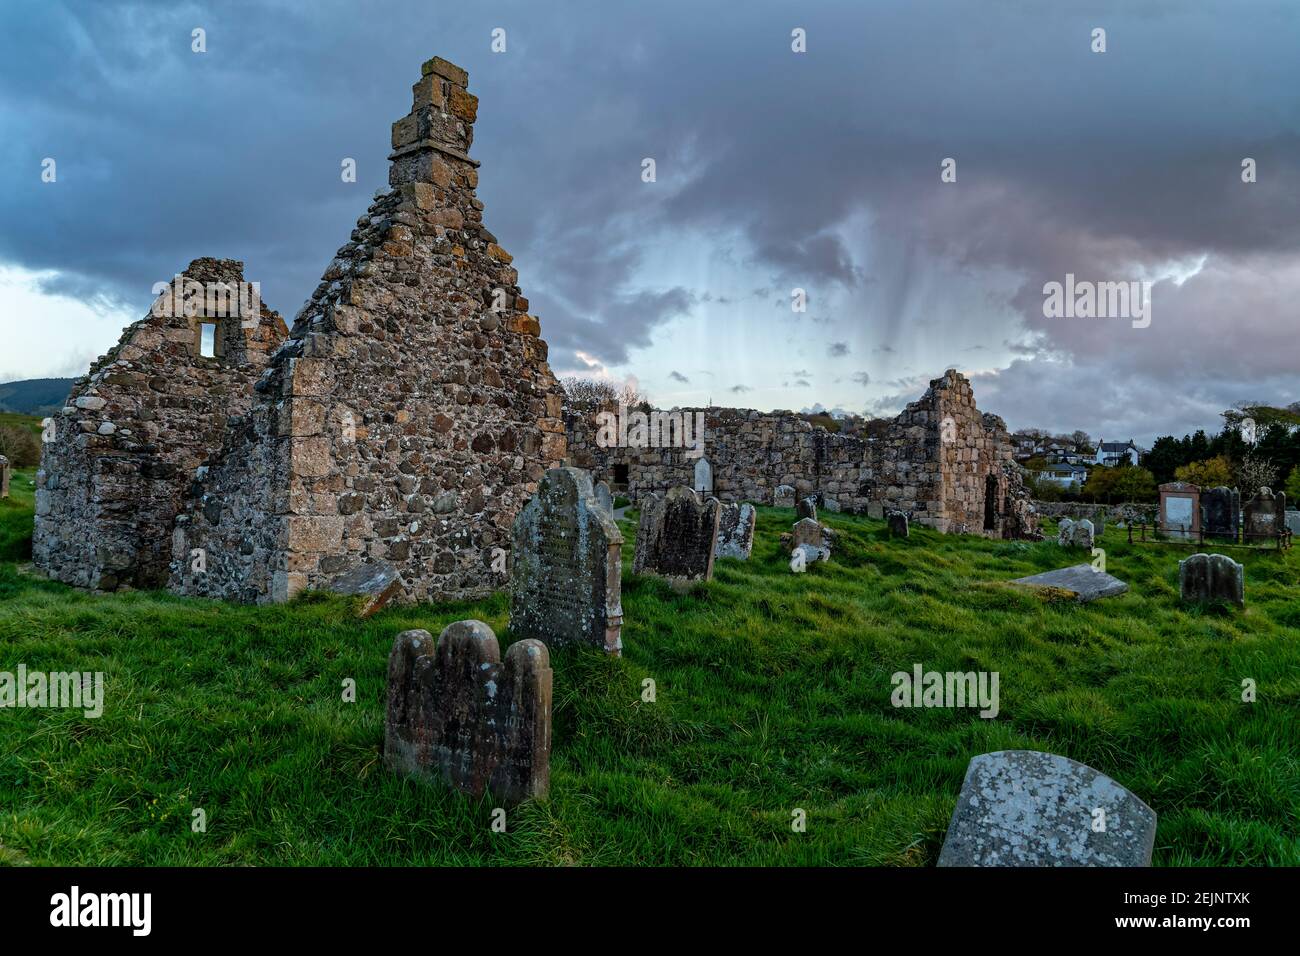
x=1129 y=512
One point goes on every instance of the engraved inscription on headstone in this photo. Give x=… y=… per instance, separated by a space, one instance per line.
x=457 y=714
x=677 y=535
x=566 y=578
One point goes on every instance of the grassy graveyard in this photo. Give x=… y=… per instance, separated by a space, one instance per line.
x=773 y=693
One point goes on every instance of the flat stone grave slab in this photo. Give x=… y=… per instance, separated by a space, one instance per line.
x=1084 y=581
x=1029 y=808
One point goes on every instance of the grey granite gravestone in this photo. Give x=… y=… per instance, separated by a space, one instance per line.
x=566 y=576
x=377 y=582
x=1206 y=578
x=806 y=508
x=898 y=525
x=677 y=535
x=458 y=715
x=735 y=531
x=1084 y=581
x=1065 y=532
x=1028 y=808
x=784 y=496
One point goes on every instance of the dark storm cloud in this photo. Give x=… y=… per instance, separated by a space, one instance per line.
x=679 y=377
x=1067 y=161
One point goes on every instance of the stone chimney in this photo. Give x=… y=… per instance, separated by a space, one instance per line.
x=439 y=128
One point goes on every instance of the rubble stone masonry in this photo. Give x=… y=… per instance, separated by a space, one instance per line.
x=411 y=412
x=134 y=429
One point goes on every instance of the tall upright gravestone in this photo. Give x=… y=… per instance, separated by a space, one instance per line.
x=458 y=715
x=1221 y=512
x=677 y=535
x=4 y=477
x=1265 y=516
x=566 y=581
x=1180 y=509
x=735 y=531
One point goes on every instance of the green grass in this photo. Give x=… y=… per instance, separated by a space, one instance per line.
x=773 y=694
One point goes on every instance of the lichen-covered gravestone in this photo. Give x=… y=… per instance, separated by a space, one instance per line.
x=459 y=715
x=735 y=531
x=1207 y=578
x=376 y=582
x=566 y=581
x=1027 y=808
x=677 y=535
x=783 y=497
x=1084 y=535
x=898 y=523
x=814 y=538
x=1083 y=582
x=1065 y=532
x=806 y=508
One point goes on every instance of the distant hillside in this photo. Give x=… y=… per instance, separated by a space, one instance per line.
x=35 y=396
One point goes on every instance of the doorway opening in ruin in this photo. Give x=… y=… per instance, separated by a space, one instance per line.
x=990 y=502
x=620 y=475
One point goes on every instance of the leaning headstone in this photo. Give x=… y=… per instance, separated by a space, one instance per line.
x=784 y=496
x=898 y=524
x=1207 y=578
x=677 y=535
x=1221 y=512
x=4 y=477
x=735 y=531
x=566 y=579
x=1027 y=808
x=604 y=497
x=1265 y=515
x=806 y=508
x=377 y=583
x=458 y=715
x=1065 y=532
x=1082 y=582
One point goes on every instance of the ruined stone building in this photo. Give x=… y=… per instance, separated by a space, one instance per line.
x=126 y=445
x=941 y=461
x=410 y=413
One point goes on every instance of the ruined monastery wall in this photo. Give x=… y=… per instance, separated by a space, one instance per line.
x=135 y=428
x=411 y=412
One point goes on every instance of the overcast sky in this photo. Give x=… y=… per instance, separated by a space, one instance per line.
x=776 y=170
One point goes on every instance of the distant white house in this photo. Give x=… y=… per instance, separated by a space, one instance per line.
x=1111 y=453
x=1064 y=476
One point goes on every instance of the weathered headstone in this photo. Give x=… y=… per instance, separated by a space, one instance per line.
x=1180 y=509
x=806 y=508
x=735 y=531
x=4 y=477
x=1082 y=581
x=1265 y=515
x=1027 y=808
x=1207 y=578
x=604 y=497
x=378 y=582
x=1065 y=532
x=898 y=524
x=677 y=535
x=457 y=714
x=566 y=579
x=1083 y=535
x=1221 y=512
x=784 y=496
x=813 y=537
x=1293 y=521
x=703 y=477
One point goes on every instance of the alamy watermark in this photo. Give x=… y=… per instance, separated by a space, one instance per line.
x=216 y=300
x=626 y=429
x=1098 y=300
x=75 y=690
x=952 y=689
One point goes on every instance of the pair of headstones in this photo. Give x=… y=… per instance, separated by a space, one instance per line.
x=456 y=712
x=1075 y=534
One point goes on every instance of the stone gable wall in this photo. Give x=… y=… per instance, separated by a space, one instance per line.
x=411 y=412
x=132 y=433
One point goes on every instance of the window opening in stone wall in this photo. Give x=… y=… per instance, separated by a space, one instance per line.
x=208 y=340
